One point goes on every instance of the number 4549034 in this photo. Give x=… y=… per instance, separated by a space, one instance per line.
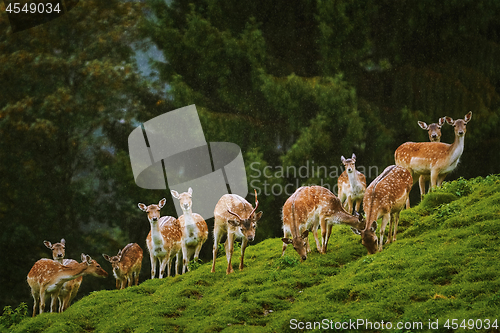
x=471 y=324
x=32 y=8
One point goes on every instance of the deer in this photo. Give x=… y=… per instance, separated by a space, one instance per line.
x=126 y=265
x=385 y=197
x=69 y=289
x=436 y=159
x=434 y=131
x=194 y=227
x=351 y=184
x=164 y=238
x=308 y=208
x=236 y=217
x=47 y=276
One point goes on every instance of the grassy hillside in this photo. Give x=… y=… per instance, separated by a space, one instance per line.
x=444 y=266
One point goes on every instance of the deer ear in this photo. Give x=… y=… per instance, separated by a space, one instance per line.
x=422 y=125
x=305 y=234
x=468 y=117
x=234 y=223
x=48 y=244
x=257 y=216
x=450 y=121
x=174 y=193
x=441 y=121
x=190 y=191
x=119 y=253
x=105 y=256
x=374 y=226
x=342 y=159
x=142 y=207
x=353 y=157
x=83 y=257
x=286 y=240
x=63 y=241
x=356 y=231
x=162 y=203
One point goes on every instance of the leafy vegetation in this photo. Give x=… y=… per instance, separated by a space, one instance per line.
x=443 y=266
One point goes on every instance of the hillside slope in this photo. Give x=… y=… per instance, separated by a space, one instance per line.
x=444 y=266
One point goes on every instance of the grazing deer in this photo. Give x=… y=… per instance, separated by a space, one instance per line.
x=126 y=265
x=307 y=209
x=194 y=227
x=436 y=159
x=46 y=278
x=235 y=217
x=164 y=239
x=434 y=131
x=69 y=289
x=384 y=197
x=351 y=184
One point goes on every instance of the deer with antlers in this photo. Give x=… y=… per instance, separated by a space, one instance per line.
x=434 y=131
x=385 y=197
x=69 y=289
x=307 y=209
x=126 y=265
x=351 y=184
x=235 y=217
x=195 y=229
x=47 y=276
x=435 y=159
x=164 y=238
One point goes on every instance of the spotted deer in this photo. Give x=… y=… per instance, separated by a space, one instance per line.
x=69 y=289
x=351 y=184
x=235 y=217
x=194 y=227
x=436 y=159
x=47 y=276
x=126 y=265
x=385 y=197
x=434 y=131
x=307 y=209
x=164 y=238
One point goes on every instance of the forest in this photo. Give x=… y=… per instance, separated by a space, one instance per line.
x=295 y=84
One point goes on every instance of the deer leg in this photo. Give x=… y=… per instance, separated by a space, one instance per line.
x=285 y=235
x=385 y=219
x=163 y=264
x=184 y=257
x=244 y=243
x=153 y=267
x=389 y=233
x=434 y=177
x=421 y=185
x=316 y=238
x=358 y=205
x=43 y=299
x=53 y=303
x=229 y=252
x=36 y=301
x=396 y=221
x=177 y=262
x=217 y=237
x=328 y=234
x=440 y=179
x=349 y=204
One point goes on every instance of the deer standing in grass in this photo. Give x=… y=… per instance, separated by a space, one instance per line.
x=307 y=209
x=351 y=184
x=69 y=289
x=434 y=159
x=194 y=227
x=164 y=238
x=235 y=217
x=385 y=197
x=126 y=265
x=47 y=276
x=434 y=131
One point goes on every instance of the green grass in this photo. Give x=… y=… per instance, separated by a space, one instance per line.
x=444 y=266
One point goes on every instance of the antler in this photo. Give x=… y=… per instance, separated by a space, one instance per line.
x=256 y=204
x=230 y=212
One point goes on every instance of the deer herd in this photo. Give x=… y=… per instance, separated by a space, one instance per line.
x=306 y=210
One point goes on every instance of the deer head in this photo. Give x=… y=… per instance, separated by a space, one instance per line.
x=460 y=124
x=185 y=199
x=368 y=237
x=434 y=129
x=58 y=249
x=299 y=244
x=349 y=164
x=153 y=210
x=246 y=225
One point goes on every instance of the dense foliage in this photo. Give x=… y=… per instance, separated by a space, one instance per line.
x=296 y=84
